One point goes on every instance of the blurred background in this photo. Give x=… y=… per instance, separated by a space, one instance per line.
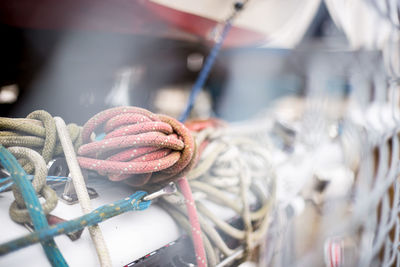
x=75 y=59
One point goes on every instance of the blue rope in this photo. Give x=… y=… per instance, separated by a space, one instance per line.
x=131 y=203
x=205 y=71
x=30 y=177
x=32 y=203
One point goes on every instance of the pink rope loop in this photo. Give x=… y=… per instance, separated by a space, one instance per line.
x=139 y=147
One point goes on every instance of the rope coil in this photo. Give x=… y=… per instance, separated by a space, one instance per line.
x=26 y=138
x=38 y=132
x=18 y=211
x=230 y=172
x=139 y=147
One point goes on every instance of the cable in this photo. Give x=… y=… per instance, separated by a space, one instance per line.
x=29 y=177
x=205 y=71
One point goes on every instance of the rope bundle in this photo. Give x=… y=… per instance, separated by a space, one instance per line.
x=24 y=138
x=139 y=147
x=37 y=131
x=231 y=171
x=142 y=148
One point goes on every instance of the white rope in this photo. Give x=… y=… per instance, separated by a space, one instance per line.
x=232 y=170
x=81 y=191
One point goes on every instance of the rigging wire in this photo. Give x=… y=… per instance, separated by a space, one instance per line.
x=210 y=60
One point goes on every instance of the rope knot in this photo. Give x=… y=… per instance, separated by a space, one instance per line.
x=139 y=147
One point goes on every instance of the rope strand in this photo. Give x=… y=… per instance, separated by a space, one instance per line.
x=81 y=191
x=31 y=202
x=131 y=203
x=230 y=169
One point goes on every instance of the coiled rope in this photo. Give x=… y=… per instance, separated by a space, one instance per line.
x=38 y=132
x=140 y=148
x=46 y=234
x=18 y=211
x=230 y=169
x=156 y=149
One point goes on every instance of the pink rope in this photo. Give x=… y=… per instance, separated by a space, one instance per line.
x=194 y=221
x=139 y=147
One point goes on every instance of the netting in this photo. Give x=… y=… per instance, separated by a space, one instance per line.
x=338 y=186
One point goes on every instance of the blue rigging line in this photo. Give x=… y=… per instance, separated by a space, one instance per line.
x=32 y=203
x=4 y=187
x=205 y=71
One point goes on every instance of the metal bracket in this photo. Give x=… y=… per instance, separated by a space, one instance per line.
x=66 y=190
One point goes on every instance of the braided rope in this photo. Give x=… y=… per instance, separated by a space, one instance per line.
x=36 y=133
x=18 y=211
x=142 y=148
x=167 y=144
x=81 y=191
x=131 y=203
x=198 y=85
x=194 y=222
x=178 y=213
x=32 y=202
x=139 y=147
x=229 y=169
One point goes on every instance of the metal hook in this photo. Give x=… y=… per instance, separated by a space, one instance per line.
x=169 y=189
